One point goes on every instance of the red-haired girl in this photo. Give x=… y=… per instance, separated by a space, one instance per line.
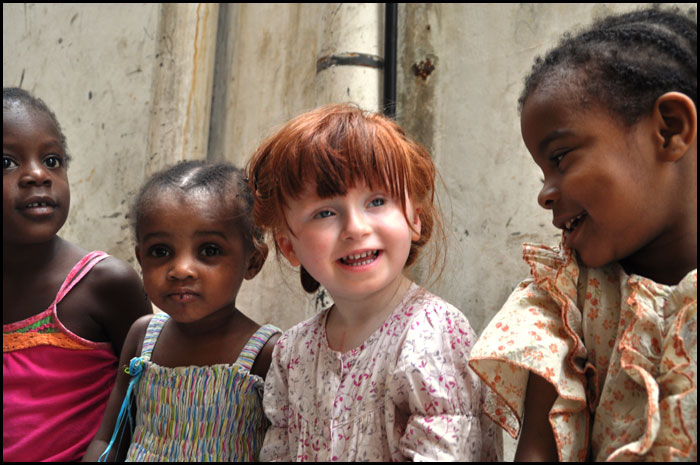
x=382 y=374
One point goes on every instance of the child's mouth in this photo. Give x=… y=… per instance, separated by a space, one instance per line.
x=364 y=258
x=574 y=222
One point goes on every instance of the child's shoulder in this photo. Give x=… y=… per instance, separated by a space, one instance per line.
x=425 y=309
x=137 y=334
x=308 y=328
x=114 y=276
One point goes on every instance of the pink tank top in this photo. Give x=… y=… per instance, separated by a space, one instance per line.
x=55 y=384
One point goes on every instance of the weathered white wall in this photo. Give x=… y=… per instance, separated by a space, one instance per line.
x=466 y=111
x=94 y=67
x=134 y=87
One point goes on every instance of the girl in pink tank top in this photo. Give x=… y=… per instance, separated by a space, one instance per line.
x=66 y=312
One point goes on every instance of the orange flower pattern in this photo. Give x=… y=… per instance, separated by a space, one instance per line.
x=619 y=349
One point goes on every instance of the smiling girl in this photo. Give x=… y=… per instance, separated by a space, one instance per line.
x=595 y=356
x=382 y=374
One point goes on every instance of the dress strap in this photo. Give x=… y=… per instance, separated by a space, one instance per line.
x=255 y=344
x=78 y=272
x=152 y=332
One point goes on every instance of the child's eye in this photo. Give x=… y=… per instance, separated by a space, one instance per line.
x=324 y=214
x=158 y=251
x=378 y=202
x=8 y=163
x=557 y=157
x=211 y=250
x=53 y=161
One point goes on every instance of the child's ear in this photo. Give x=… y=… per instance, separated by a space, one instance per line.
x=285 y=245
x=415 y=233
x=256 y=260
x=677 y=124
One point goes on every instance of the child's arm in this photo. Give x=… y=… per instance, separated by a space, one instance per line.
x=122 y=299
x=276 y=404
x=537 y=443
x=132 y=346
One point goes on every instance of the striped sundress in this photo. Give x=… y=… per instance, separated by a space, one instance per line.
x=199 y=413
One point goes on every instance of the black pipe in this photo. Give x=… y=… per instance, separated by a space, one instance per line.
x=390 y=32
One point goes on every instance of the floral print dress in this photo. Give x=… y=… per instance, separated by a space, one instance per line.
x=621 y=352
x=405 y=394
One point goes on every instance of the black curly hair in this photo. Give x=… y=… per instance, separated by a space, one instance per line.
x=222 y=180
x=629 y=61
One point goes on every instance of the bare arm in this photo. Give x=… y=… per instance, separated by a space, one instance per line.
x=132 y=346
x=122 y=299
x=537 y=443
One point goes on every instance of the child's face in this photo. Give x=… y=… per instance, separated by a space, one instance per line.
x=600 y=178
x=355 y=245
x=35 y=191
x=193 y=255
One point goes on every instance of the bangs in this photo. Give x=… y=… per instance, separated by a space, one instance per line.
x=335 y=148
x=338 y=155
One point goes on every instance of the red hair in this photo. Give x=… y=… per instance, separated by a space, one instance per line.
x=335 y=147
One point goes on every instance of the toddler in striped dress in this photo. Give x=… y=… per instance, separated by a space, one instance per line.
x=195 y=373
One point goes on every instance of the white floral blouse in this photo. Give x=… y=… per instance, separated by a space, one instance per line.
x=406 y=393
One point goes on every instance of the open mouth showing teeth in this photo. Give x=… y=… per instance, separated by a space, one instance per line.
x=38 y=204
x=573 y=222
x=363 y=258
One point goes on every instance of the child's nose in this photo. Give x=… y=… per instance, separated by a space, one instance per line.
x=356 y=225
x=548 y=195
x=182 y=268
x=35 y=173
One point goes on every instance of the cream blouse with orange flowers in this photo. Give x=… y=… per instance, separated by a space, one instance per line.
x=619 y=349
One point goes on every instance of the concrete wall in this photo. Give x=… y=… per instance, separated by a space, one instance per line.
x=140 y=86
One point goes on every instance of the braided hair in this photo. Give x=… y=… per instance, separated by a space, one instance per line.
x=629 y=61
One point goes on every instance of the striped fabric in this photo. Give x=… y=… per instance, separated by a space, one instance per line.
x=199 y=413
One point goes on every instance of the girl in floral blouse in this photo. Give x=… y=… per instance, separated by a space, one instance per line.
x=382 y=374
x=598 y=349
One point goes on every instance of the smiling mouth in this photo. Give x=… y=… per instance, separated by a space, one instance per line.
x=575 y=221
x=364 y=258
x=38 y=205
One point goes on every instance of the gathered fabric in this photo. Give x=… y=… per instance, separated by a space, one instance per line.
x=199 y=413
x=405 y=394
x=620 y=350
x=55 y=384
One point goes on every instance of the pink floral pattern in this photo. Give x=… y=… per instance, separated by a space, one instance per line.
x=619 y=349
x=405 y=394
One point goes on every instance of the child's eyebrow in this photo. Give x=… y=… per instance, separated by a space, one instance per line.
x=551 y=137
x=156 y=234
x=165 y=234
x=211 y=233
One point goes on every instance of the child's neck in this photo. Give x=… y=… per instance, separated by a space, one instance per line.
x=666 y=261
x=350 y=323
x=18 y=258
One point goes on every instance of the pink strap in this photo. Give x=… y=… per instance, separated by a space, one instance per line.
x=78 y=271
